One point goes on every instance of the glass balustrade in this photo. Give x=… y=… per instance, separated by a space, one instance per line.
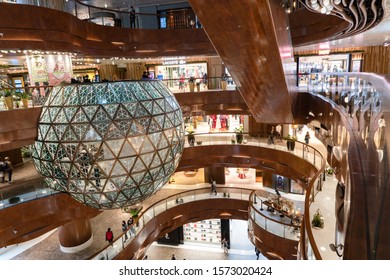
x=172 y=201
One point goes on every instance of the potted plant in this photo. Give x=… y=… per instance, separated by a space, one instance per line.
x=8 y=99
x=329 y=171
x=24 y=96
x=290 y=142
x=318 y=220
x=239 y=134
x=191 y=136
x=198 y=86
x=191 y=84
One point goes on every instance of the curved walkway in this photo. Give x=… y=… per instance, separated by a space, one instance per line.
x=49 y=248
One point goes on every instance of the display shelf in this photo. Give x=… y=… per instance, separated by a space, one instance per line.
x=207 y=231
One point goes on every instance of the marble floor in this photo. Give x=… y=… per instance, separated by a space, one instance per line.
x=47 y=247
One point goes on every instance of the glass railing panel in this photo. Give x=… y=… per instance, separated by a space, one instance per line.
x=260 y=220
x=148 y=215
x=160 y=208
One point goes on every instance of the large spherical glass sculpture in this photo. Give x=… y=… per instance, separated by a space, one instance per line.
x=109 y=145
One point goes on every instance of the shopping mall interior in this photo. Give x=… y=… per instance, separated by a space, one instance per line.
x=207 y=130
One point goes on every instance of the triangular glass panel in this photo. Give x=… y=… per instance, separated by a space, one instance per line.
x=101 y=115
x=80 y=130
x=118 y=181
x=69 y=112
x=113 y=132
x=138 y=166
x=115 y=145
x=118 y=170
x=163 y=142
x=161 y=104
x=160 y=119
x=163 y=154
x=127 y=150
x=72 y=96
x=80 y=116
x=69 y=135
x=154 y=127
x=43 y=128
x=122 y=113
x=155 y=138
x=136 y=129
x=121 y=198
x=51 y=135
x=53 y=111
x=56 y=97
x=140 y=112
x=144 y=122
x=141 y=94
x=157 y=109
x=91 y=134
x=172 y=103
x=101 y=128
x=111 y=109
x=87 y=95
x=147 y=159
x=107 y=153
x=156 y=161
x=147 y=146
x=131 y=91
x=148 y=105
x=128 y=163
x=137 y=177
x=131 y=109
x=123 y=126
x=45 y=116
x=90 y=111
x=60 y=130
x=129 y=185
x=61 y=117
x=136 y=142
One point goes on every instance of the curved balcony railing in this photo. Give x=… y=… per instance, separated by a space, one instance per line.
x=120 y=243
x=301 y=149
x=37 y=95
x=24 y=192
x=285 y=227
x=273 y=222
x=183 y=18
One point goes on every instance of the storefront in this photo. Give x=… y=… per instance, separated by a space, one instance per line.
x=310 y=66
x=172 y=68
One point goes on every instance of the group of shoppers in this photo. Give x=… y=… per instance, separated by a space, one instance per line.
x=125 y=225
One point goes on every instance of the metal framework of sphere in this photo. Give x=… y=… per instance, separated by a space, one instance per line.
x=109 y=145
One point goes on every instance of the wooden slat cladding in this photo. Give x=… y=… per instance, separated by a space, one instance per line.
x=251 y=38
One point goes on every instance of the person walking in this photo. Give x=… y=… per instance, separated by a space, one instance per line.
x=8 y=169
x=213 y=188
x=132 y=17
x=225 y=245
x=307 y=138
x=130 y=224
x=257 y=253
x=124 y=229
x=2 y=169
x=109 y=236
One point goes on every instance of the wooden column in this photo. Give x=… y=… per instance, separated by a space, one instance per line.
x=75 y=236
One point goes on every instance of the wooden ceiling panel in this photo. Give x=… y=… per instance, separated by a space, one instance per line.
x=252 y=39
